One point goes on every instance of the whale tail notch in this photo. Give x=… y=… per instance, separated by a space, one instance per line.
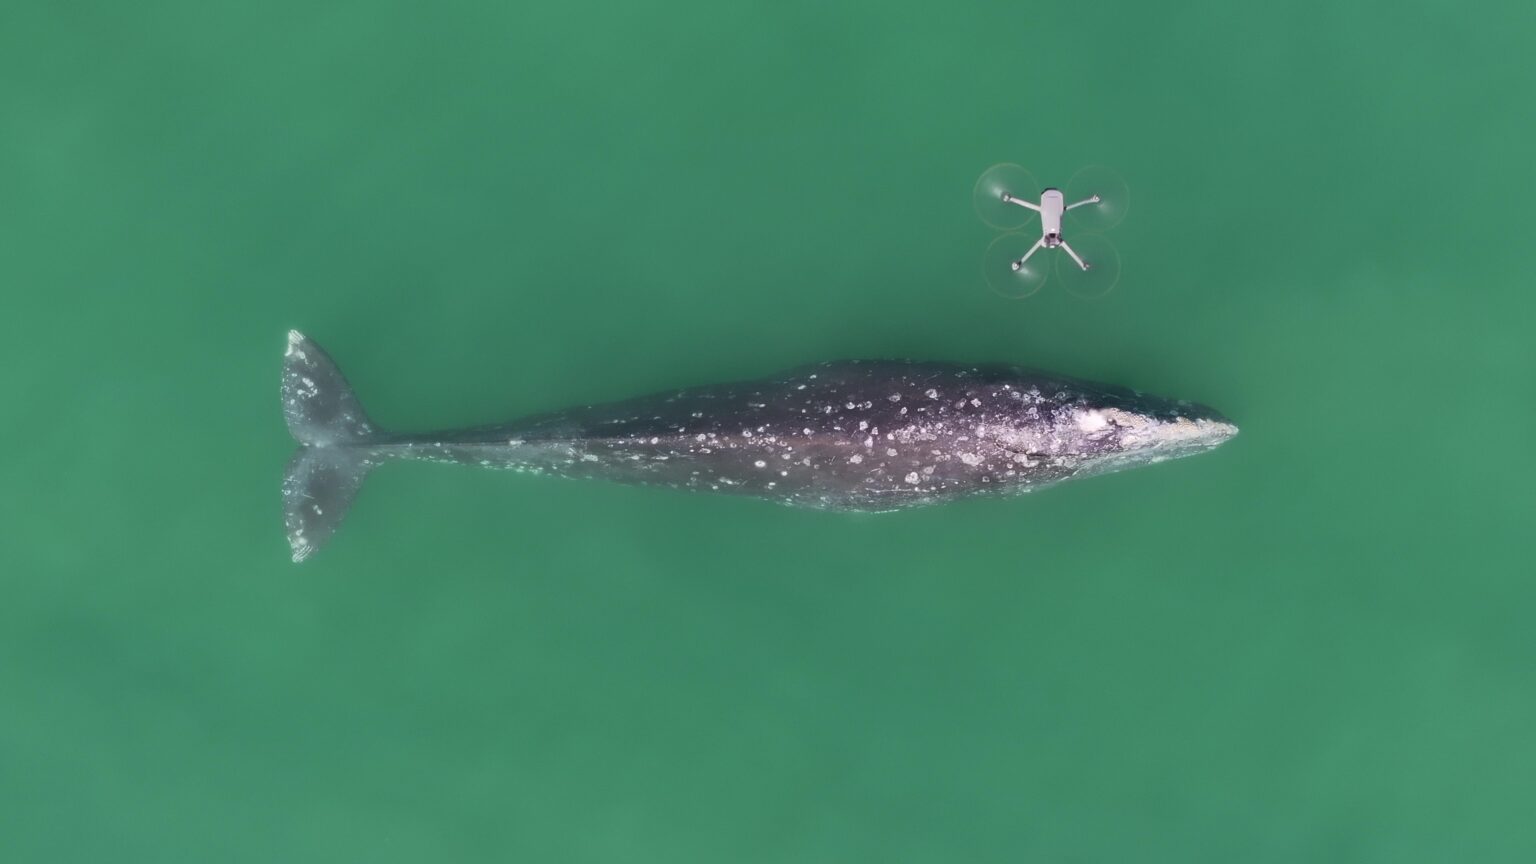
x=335 y=445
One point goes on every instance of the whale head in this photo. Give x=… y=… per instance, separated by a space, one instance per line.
x=1093 y=428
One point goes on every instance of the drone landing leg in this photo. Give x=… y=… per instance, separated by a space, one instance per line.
x=1093 y=200
x=1079 y=261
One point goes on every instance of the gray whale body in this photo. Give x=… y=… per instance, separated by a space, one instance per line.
x=853 y=435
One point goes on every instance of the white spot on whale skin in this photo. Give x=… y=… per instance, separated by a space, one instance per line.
x=588 y=457
x=912 y=478
x=894 y=397
x=932 y=393
x=970 y=459
x=855 y=458
x=760 y=464
x=1091 y=421
x=863 y=424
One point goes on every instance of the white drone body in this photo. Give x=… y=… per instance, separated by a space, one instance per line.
x=1052 y=205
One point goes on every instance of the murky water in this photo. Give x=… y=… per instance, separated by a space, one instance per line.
x=1310 y=644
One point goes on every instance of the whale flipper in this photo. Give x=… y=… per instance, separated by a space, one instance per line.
x=335 y=439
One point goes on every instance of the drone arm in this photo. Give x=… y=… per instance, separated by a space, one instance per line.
x=1009 y=199
x=1093 y=200
x=1074 y=255
x=1032 y=250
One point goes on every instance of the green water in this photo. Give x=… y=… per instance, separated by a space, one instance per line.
x=1313 y=644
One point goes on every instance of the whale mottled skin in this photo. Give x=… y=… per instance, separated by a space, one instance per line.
x=853 y=435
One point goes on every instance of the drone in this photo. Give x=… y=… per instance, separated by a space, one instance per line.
x=1006 y=198
x=1050 y=209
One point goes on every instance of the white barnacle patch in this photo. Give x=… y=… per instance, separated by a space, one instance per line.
x=760 y=464
x=932 y=393
x=850 y=406
x=588 y=457
x=894 y=397
x=863 y=424
x=972 y=459
x=1091 y=421
x=975 y=403
x=890 y=451
x=856 y=458
x=912 y=478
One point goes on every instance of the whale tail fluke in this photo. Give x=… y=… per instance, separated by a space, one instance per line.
x=335 y=438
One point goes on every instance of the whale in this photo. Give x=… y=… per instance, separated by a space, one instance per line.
x=852 y=435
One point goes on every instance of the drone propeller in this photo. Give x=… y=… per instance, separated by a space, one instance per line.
x=1093 y=250
x=1113 y=193
x=1013 y=282
x=1005 y=178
